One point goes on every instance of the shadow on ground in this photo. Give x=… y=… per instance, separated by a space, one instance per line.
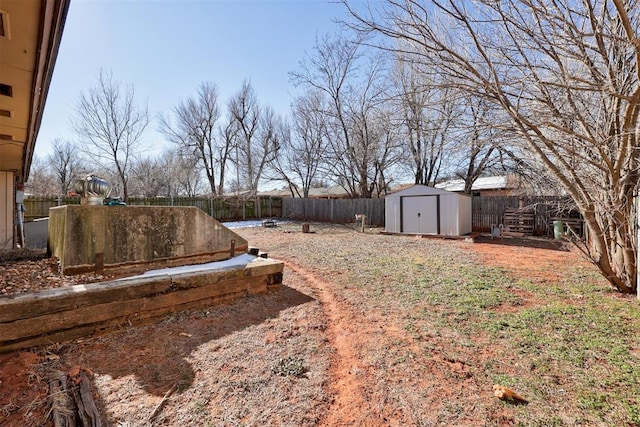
x=525 y=241
x=156 y=354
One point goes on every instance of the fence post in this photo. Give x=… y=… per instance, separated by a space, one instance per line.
x=331 y=206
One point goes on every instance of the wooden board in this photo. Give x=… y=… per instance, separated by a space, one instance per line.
x=67 y=313
x=519 y=221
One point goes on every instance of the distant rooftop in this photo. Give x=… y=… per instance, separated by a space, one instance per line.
x=319 y=193
x=482 y=183
x=455 y=185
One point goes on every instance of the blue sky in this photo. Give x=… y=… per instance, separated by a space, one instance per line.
x=166 y=48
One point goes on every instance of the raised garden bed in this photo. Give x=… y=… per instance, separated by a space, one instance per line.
x=62 y=314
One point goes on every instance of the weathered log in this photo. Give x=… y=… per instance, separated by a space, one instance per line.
x=87 y=408
x=62 y=408
x=85 y=421
x=71 y=400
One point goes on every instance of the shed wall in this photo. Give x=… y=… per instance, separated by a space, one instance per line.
x=392 y=214
x=449 y=215
x=465 y=223
x=454 y=213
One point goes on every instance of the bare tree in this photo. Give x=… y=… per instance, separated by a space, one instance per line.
x=173 y=172
x=110 y=125
x=149 y=177
x=303 y=146
x=244 y=113
x=427 y=115
x=42 y=180
x=66 y=165
x=185 y=173
x=361 y=144
x=257 y=132
x=229 y=134
x=278 y=168
x=195 y=128
x=567 y=76
x=385 y=145
x=480 y=140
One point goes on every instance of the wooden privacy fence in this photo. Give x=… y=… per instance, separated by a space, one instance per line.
x=488 y=210
x=221 y=208
x=341 y=211
x=38 y=207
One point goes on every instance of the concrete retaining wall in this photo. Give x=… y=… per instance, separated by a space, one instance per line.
x=125 y=238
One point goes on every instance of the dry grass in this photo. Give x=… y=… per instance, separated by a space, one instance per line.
x=454 y=325
x=383 y=330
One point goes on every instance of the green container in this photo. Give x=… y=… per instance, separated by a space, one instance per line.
x=558 y=230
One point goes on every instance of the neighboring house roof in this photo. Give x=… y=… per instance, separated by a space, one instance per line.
x=482 y=183
x=318 y=193
x=418 y=190
x=455 y=185
x=275 y=193
x=328 y=192
x=399 y=187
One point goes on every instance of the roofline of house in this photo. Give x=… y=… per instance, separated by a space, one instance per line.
x=52 y=20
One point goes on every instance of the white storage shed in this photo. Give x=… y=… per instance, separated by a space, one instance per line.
x=427 y=210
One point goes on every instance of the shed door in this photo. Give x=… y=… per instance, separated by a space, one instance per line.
x=420 y=214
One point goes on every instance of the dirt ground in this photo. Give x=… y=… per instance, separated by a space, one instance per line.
x=309 y=354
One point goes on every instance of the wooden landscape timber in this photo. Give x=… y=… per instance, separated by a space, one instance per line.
x=63 y=314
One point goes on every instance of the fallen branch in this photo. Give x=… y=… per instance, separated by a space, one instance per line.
x=160 y=405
